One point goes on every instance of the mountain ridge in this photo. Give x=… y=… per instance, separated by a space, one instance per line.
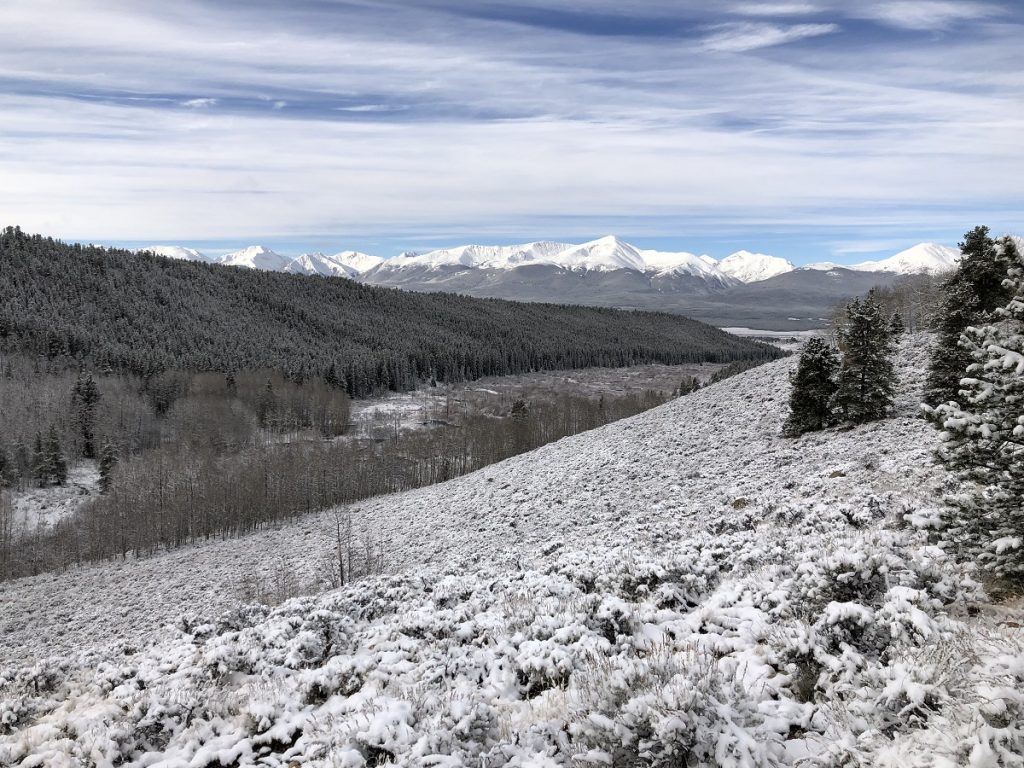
x=605 y=254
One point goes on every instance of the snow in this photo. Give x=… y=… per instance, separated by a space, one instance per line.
x=480 y=256
x=750 y=267
x=35 y=507
x=605 y=254
x=319 y=264
x=176 y=252
x=255 y=257
x=356 y=261
x=927 y=258
x=681 y=587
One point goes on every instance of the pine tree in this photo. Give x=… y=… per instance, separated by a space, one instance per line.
x=84 y=397
x=7 y=469
x=813 y=387
x=867 y=378
x=40 y=470
x=896 y=325
x=53 y=457
x=108 y=460
x=983 y=441
x=971 y=294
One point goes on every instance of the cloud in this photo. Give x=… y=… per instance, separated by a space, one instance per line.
x=199 y=103
x=776 y=9
x=413 y=119
x=924 y=14
x=739 y=37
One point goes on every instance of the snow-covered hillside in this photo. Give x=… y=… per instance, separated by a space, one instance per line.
x=684 y=587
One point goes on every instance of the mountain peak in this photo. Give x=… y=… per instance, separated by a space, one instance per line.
x=749 y=267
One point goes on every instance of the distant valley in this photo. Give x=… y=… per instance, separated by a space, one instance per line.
x=744 y=289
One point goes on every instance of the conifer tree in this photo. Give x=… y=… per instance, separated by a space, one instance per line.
x=53 y=457
x=40 y=471
x=971 y=294
x=983 y=440
x=84 y=397
x=7 y=468
x=867 y=378
x=896 y=326
x=108 y=460
x=813 y=387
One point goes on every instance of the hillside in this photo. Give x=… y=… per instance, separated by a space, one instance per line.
x=681 y=587
x=144 y=314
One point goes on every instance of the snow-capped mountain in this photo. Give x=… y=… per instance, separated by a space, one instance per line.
x=603 y=255
x=256 y=257
x=345 y=264
x=923 y=258
x=356 y=261
x=750 y=267
x=475 y=256
x=175 y=252
x=746 y=288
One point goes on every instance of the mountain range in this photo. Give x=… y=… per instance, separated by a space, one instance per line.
x=743 y=289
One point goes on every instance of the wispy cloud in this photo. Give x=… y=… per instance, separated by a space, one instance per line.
x=389 y=120
x=750 y=36
x=924 y=14
x=776 y=9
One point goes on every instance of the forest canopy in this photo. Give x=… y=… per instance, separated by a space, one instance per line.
x=116 y=310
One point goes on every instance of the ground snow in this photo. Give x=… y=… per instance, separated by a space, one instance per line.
x=682 y=587
x=35 y=507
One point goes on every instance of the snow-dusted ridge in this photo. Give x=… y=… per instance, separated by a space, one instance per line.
x=605 y=254
x=685 y=586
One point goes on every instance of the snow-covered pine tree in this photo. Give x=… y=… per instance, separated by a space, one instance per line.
x=970 y=294
x=983 y=441
x=56 y=463
x=84 y=397
x=108 y=459
x=867 y=378
x=813 y=386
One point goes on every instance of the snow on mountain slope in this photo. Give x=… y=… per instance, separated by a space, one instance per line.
x=319 y=264
x=479 y=256
x=602 y=255
x=356 y=261
x=255 y=257
x=928 y=258
x=684 y=586
x=176 y=252
x=750 y=267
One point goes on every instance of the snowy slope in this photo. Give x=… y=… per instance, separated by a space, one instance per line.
x=750 y=267
x=356 y=261
x=319 y=264
x=927 y=258
x=681 y=587
x=176 y=252
x=602 y=255
x=479 y=256
x=255 y=257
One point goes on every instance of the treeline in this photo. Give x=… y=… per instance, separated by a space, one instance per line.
x=50 y=416
x=112 y=310
x=190 y=490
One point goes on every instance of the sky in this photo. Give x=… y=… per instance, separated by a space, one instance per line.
x=813 y=130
